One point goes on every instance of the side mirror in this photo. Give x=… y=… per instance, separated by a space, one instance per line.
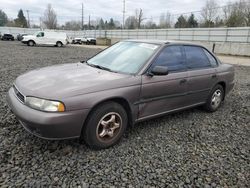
x=159 y=71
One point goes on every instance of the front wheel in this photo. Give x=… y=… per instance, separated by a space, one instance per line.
x=215 y=99
x=105 y=126
x=31 y=43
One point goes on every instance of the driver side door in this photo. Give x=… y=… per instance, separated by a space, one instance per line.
x=165 y=93
x=40 y=38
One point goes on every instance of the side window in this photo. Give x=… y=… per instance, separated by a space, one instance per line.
x=211 y=58
x=172 y=57
x=41 y=34
x=196 y=57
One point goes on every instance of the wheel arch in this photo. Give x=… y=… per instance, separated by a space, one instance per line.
x=59 y=42
x=223 y=84
x=32 y=41
x=123 y=102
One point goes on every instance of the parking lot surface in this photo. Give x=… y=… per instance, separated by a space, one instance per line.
x=186 y=149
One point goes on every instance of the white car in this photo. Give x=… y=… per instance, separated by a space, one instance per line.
x=84 y=40
x=46 y=38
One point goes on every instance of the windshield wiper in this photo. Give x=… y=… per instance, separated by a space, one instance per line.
x=100 y=67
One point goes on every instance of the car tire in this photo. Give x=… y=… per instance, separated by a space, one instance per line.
x=215 y=99
x=105 y=126
x=31 y=43
x=59 y=44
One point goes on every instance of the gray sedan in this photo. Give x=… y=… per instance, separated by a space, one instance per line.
x=129 y=82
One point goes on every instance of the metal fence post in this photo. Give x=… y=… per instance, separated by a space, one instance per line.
x=209 y=33
x=179 y=34
x=226 y=34
x=248 y=36
x=192 y=34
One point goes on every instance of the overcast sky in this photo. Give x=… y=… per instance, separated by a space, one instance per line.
x=71 y=9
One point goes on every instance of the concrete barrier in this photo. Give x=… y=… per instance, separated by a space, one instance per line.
x=226 y=48
x=103 y=41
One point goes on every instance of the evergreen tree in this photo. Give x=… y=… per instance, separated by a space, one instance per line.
x=181 y=22
x=111 y=24
x=21 y=21
x=192 y=22
x=3 y=18
x=101 y=24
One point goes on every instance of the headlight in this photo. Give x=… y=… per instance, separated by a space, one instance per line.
x=44 y=105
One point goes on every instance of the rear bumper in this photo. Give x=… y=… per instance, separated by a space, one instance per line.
x=52 y=126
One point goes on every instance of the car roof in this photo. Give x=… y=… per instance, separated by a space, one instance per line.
x=162 y=42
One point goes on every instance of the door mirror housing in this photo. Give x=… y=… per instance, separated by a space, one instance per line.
x=159 y=71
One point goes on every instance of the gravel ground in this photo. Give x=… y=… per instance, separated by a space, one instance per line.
x=188 y=149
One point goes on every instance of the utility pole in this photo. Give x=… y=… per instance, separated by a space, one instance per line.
x=82 y=16
x=124 y=11
x=89 y=22
x=28 y=17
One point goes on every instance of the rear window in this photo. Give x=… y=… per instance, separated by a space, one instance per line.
x=196 y=57
x=211 y=58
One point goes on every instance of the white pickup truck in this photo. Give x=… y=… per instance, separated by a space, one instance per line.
x=84 y=40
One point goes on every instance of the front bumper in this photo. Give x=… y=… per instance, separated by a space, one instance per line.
x=24 y=42
x=48 y=125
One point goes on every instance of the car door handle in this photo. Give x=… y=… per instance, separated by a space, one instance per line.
x=183 y=81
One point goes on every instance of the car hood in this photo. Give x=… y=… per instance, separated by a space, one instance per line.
x=29 y=37
x=60 y=81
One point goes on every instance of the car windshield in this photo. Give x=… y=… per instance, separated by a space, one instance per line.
x=125 y=57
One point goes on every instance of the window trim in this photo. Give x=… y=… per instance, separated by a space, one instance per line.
x=38 y=35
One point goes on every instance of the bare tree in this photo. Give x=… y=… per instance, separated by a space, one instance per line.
x=131 y=22
x=247 y=12
x=139 y=18
x=165 y=20
x=150 y=24
x=50 y=18
x=209 y=13
x=236 y=14
x=73 y=25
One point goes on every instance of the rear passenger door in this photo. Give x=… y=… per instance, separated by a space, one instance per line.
x=201 y=73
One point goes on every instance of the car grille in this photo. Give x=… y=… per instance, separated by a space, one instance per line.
x=19 y=95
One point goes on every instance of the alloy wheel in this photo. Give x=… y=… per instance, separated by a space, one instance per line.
x=108 y=127
x=216 y=99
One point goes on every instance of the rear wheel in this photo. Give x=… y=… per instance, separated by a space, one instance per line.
x=215 y=99
x=105 y=126
x=59 y=44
